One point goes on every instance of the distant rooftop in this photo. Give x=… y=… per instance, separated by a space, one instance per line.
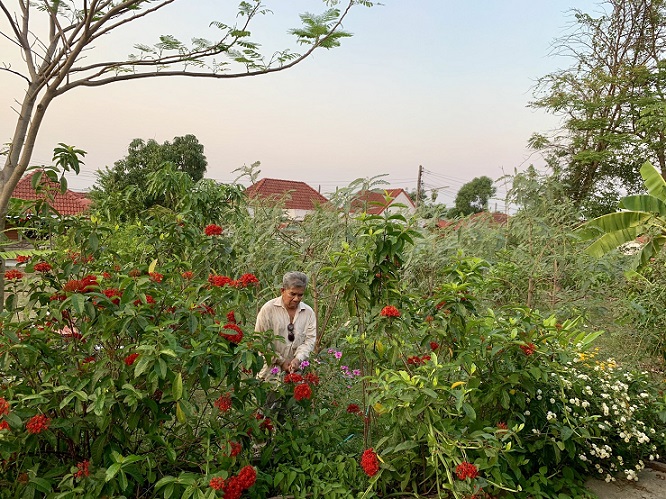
x=67 y=203
x=297 y=195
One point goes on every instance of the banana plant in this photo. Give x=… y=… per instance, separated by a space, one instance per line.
x=641 y=217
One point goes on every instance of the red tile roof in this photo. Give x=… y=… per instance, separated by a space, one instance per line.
x=297 y=195
x=374 y=202
x=67 y=203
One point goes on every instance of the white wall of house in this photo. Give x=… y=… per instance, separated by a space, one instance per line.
x=401 y=198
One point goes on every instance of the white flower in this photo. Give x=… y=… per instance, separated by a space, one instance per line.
x=585 y=404
x=552 y=400
x=551 y=416
x=582 y=457
x=527 y=413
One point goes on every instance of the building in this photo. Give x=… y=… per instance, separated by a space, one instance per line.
x=297 y=198
x=389 y=201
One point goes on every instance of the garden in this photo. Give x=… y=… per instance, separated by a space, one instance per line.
x=476 y=361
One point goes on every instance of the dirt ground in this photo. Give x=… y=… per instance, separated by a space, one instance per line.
x=651 y=485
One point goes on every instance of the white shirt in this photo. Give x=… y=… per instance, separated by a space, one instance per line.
x=274 y=317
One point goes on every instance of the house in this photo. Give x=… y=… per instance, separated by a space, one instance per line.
x=378 y=202
x=298 y=198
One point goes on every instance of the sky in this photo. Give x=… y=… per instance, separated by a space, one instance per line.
x=440 y=84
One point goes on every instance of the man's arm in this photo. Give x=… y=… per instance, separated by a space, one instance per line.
x=305 y=349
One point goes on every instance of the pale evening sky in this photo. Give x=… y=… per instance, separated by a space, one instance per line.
x=439 y=83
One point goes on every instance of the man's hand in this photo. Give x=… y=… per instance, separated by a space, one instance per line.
x=295 y=365
x=286 y=366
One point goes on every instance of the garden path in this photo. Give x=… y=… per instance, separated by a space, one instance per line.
x=651 y=485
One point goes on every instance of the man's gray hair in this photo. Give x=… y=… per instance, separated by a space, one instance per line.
x=294 y=280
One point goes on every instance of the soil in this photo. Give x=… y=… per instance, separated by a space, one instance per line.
x=651 y=484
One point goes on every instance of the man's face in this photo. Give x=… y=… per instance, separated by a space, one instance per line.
x=291 y=297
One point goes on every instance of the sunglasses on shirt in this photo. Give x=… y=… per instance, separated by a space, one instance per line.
x=290 y=328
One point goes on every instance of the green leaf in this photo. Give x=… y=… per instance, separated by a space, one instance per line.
x=111 y=471
x=78 y=301
x=654 y=182
x=177 y=387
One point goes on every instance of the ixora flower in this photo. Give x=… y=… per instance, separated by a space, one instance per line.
x=213 y=230
x=246 y=279
x=38 y=424
x=302 y=391
x=293 y=378
x=22 y=258
x=233 y=338
x=219 y=280
x=83 y=469
x=224 y=402
x=353 y=409
x=131 y=359
x=390 y=311
x=156 y=276
x=13 y=275
x=43 y=267
x=188 y=274
x=369 y=462
x=4 y=406
x=216 y=483
x=4 y=425
x=466 y=470
x=528 y=349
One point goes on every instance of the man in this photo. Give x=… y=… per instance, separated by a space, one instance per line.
x=293 y=323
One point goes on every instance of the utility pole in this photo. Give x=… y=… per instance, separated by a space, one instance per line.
x=419 y=187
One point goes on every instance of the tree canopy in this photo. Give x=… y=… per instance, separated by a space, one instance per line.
x=612 y=102
x=473 y=197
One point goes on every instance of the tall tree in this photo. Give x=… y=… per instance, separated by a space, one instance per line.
x=56 y=40
x=473 y=197
x=612 y=102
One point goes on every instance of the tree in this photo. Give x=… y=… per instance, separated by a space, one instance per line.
x=184 y=154
x=56 y=40
x=473 y=197
x=612 y=102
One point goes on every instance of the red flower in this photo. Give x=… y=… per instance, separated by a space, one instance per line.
x=149 y=301
x=502 y=426
x=4 y=425
x=233 y=489
x=434 y=345
x=246 y=279
x=4 y=406
x=113 y=294
x=134 y=273
x=219 y=280
x=466 y=470
x=312 y=378
x=213 y=230
x=216 y=483
x=13 y=275
x=188 y=274
x=87 y=360
x=425 y=358
x=247 y=476
x=43 y=267
x=156 y=276
x=106 y=275
x=528 y=349
x=302 y=391
x=83 y=469
x=38 y=424
x=390 y=311
x=369 y=462
x=224 y=402
x=429 y=319
x=353 y=409
x=414 y=360
x=131 y=359
x=293 y=378
x=22 y=259
x=233 y=338
x=231 y=317
x=236 y=448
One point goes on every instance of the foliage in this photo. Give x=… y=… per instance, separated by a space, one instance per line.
x=611 y=100
x=473 y=197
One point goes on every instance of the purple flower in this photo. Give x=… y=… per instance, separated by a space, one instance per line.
x=330 y=350
x=304 y=364
x=338 y=355
x=275 y=370
x=356 y=372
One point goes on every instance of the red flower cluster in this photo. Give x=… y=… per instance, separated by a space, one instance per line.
x=369 y=462
x=231 y=317
x=390 y=311
x=213 y=230
x=233 y=338
x=312 y=378
x=76 y=257
x=237 y=484
x=43 y=267
x=22 y=259
x=106 y=275
x=134 y=273
x=353 y=409
x=88 y=360
x=85 y=285
x=224 y=402
x=38 y=424
x=4 y=406
x=4 y=425
x=440 y=305
x=502 y=426
x=293 y=378
x=528 y=349
x=113 y=294
x=302 y=391
x=417 y=361
x=156 y=276
x=188 y=274
x=13 y=275
x=266 y=423
x=83 y=469
x=466 y=470
x=216 y=483
x=236 y=448
x=131 y=359
x=246 y=279
x=434 y=345
x=149 y=301
x=219 y=280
